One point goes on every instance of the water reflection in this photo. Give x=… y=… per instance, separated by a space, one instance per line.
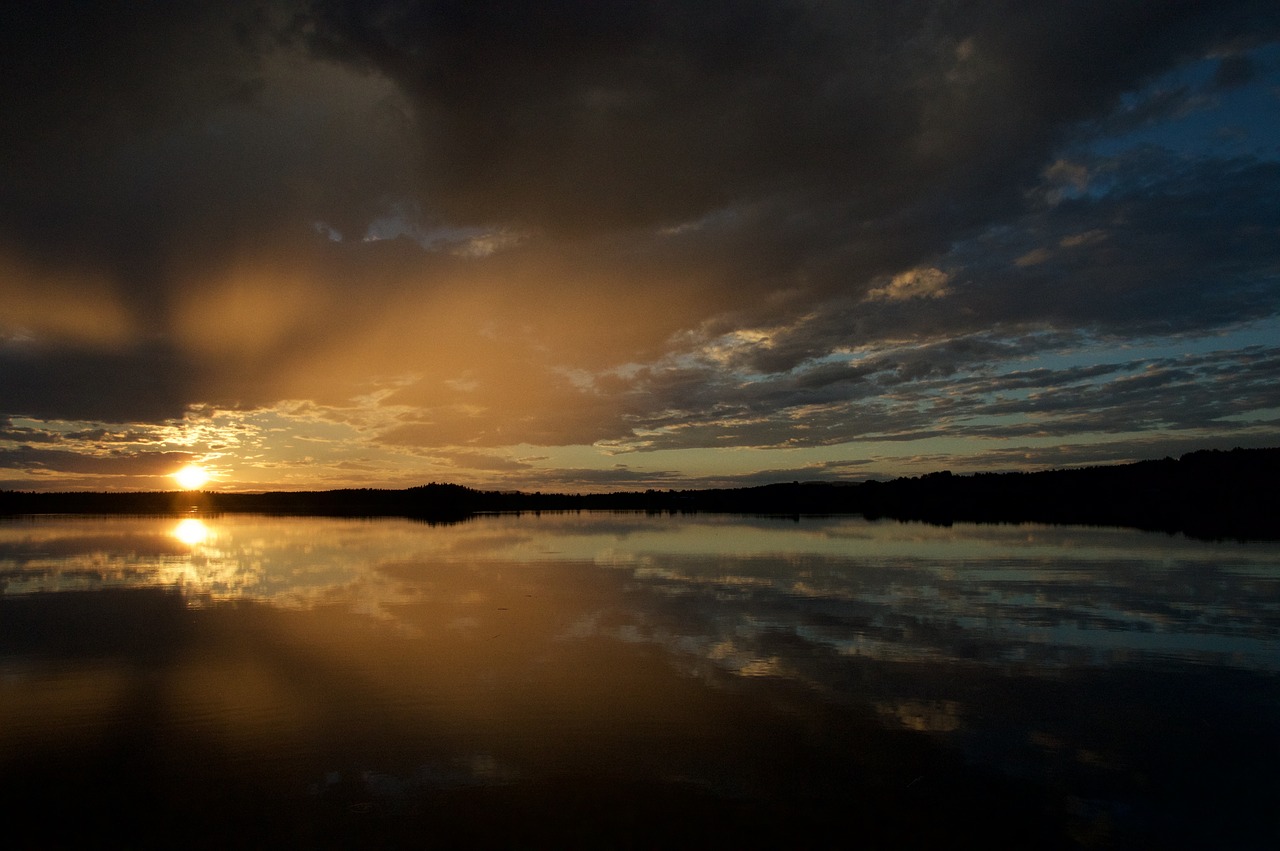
x=723 y=589
x=1114 y=684
x=191 y=531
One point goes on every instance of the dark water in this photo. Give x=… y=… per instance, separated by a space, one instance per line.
x=632 y=681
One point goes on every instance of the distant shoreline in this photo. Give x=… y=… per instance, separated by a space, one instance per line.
x=1208 y=494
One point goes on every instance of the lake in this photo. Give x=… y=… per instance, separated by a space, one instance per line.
x=634 y=681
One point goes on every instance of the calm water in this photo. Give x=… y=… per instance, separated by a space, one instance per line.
x=623 y=680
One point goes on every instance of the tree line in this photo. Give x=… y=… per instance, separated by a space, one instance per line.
x=1205 y=494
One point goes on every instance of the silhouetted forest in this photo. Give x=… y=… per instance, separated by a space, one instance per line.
x=1206 y=494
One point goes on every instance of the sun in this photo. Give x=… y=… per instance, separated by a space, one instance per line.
x=191 y=477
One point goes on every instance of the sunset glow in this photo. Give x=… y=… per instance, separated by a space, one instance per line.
x=523 y=249
x=191 y=477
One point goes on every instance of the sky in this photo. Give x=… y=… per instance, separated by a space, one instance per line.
x=583 y=246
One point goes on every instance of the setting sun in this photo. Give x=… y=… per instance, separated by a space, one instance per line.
x=191 y=477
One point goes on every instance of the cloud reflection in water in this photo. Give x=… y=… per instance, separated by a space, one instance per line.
x=376 y=661
x=750 y=595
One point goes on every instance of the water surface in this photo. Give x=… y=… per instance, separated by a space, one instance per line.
x=632 y=680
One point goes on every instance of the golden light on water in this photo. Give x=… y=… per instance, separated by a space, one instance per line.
x=191 y=477
x=191 y=531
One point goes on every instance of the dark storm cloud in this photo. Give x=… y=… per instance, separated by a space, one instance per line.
x=135 y=134
x=149 y=150
x=142 y=382
x=586 y=114
x=571 y=113
x=91 y=94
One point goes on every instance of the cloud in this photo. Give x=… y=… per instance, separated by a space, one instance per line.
x=963 y=389
x=913 y=283
x=668 y=224
x=111 y=464
x=1234 y=71
x=485 y=461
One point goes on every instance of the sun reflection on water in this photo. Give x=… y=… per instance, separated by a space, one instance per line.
x=191 y=531
x=723 y=590
x=222 y=563
x=811 y=665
